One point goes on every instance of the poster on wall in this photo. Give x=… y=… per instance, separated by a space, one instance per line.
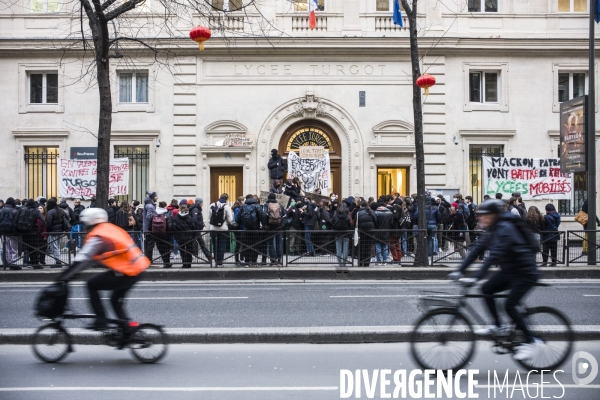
x=313 y=172
x=534 y=178
x=77 y=178
x=572 y=135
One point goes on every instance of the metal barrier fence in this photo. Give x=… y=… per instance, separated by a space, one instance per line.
x=289 y=248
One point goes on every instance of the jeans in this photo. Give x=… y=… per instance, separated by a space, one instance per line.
x=220 y=239
x=175 y=247
x=341 y=250
x=432 y=242
x=295 y=241
x=549 y=248
x=381 y=250
x=275 y=247
x=12 y=249
x=54 y=247
x=518 y=286
x=307 y=238
x=403 y=236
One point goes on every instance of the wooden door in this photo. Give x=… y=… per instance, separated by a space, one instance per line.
x=226 y=180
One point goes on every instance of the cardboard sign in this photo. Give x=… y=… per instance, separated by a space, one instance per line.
x=533 y=178
x=238 y=140
x=77 y=178
x=312 y=152
x=281 y=198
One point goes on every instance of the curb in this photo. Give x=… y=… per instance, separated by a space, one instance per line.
x=308 y=273
x=313 y=335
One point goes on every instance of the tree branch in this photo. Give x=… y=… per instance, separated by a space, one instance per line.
x=123 y=8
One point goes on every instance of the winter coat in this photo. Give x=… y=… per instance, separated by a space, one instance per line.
x=76 y=212
x=325 y=219
x=112 y=213
x=122 y=220
x=432 y=215
x=292 y=191
x=68 y=211
x=276 y=190
x=149 y=212
x=296 y=214
x=310 y=216
x=341 y=222
x=366 y=221
x=459 y=224
x=251 y=205
x=54 y=220
x=507 y=248
x=228 y=216
x=173 y=210
x=9 y=209
x=551 y=224
x=277 y=166
x=183 y=226
x=385 y=222
x=196 y=213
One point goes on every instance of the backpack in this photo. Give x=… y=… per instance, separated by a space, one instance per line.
x=217 y=215
x=26 y=220
x=396 y=212
x=248 y=217
x=52 y=301
x=6 y=221
x=159 y=223
x=530 y=236
x=274 y=214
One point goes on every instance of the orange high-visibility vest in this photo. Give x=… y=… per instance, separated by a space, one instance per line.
x=125 y=257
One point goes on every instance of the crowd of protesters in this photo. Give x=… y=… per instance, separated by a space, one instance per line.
x=386 y=228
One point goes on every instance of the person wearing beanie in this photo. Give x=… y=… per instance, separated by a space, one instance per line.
x=183 y=201
x=190 y=202
x=198 y=219
x=277 y=167
x=11 y=251
x=54 y=226
x=276 y=187
x=550 y=239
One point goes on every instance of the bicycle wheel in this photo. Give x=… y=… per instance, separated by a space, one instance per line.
x=554 y=329
x=148 y=343
x=442 y=339
x=51 y=343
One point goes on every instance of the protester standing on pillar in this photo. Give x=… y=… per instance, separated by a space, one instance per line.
x=277 y=167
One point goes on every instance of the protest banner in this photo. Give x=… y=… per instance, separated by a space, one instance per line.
x=313 y=172
x=533 y=178
x=312 y=151
x=238 y=140
x=281 y=198
x=77 y=178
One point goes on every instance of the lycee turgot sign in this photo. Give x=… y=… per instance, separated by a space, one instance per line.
x=84 y=153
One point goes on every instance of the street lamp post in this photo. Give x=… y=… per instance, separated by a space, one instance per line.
x=591 y=144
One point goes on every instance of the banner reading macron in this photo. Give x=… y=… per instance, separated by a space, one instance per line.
x=77 y=178
x=533 y=178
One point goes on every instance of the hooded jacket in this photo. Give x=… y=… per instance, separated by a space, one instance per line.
x=277 y=166
x=551 y=224
x=149 y=211
x=385 y=221
x=183 y=226
x=310 y=215
x=507 y=248
x=366 y=221
x=197 y=218
x=228 y=215
x=292 y=191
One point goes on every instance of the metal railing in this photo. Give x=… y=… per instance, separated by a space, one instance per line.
x=283 y=248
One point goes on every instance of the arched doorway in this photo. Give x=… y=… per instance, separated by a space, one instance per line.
x=310 y=132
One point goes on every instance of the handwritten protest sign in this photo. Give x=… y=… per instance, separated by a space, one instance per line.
x=77 y=178
x=534 y=178
x=281 y=198
x=312 y=151
x=238 y=140
x=313 y=172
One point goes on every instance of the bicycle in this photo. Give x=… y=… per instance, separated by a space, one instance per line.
x=444 y=339
x=147 y=342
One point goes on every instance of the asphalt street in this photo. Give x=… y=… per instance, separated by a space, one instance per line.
x=267 y=371
x=288 y=304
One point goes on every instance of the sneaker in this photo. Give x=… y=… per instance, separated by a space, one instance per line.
x=527 y=350
x=491 y=330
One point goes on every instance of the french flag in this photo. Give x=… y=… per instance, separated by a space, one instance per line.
x=312 y=18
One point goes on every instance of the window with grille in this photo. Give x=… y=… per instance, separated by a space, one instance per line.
x=41 y=169
x=133 y=87
x=476 y=152
x=139 y=170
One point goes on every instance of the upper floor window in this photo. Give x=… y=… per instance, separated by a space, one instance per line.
x=44 y=5
x=386 y=5
x=483 y=5
x=133 y=87
x=43 y=88
x=302 y=5
x=572 y=5
x=227 y=5
x=483 y=87
x=571 y=85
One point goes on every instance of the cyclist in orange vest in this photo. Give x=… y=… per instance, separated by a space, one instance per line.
x=113 y=248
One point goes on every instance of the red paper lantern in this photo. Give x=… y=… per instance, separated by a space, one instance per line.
x=426 y=81
x=200 y=34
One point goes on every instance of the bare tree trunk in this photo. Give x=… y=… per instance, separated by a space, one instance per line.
x=421 y=251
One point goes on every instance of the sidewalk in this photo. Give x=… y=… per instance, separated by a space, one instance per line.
x=301 y=273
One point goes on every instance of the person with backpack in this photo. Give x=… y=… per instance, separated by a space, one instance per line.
x=8 y=215
x=444 y=211
x=394 y=205
x=433 y=219
x=366 y=220
x=161 y=227
x=55 y=225
x=221 y=217
x=471 y=219
x=196 y=213
x=147 y=215
x=248 y=219
x=341 y=225
x=274 y=214
x=464 y=208
x=76 y=225
x=551 y=238
x=183 y=228
x=510 y=247
x=35 y=245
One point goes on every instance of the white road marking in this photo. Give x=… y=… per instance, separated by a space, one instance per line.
x=382 y=295
x=164 y=298
x=591 y=295
x=170 y=389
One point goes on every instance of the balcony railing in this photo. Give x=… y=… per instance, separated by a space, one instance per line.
x=300 y=24
x=229 y=24
x=386 y=24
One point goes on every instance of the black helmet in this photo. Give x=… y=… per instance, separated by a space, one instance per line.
x=491 y=207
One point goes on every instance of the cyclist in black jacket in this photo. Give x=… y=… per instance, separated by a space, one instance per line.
x=508 y=247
